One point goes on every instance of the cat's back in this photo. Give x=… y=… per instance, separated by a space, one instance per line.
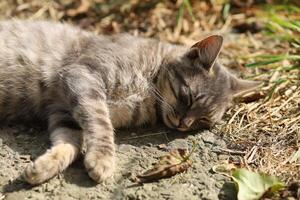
x=30 y=55
x=33 y=53
x=35 y=42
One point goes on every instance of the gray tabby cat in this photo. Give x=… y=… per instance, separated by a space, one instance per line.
x=86 y=85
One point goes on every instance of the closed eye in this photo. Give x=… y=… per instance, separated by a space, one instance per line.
x=199 y=97
x=186 y=96
x=205 y=120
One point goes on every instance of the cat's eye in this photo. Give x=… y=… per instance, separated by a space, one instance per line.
x=186 y=96
x=205 y=120
x=199 y=97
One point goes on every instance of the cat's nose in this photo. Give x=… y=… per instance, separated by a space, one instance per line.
x=186 y=123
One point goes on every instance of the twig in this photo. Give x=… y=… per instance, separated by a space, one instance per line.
x=235 y=114
x=250 y=155
x=147 y=135
x=234 y=152
x=192 y=151
x=286 y=102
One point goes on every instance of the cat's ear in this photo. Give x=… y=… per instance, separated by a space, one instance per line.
x=240 y=86
x=207 y=50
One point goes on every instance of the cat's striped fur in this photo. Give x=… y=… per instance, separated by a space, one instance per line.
x=86 y=85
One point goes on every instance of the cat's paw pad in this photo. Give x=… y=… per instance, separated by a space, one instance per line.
x=40 y=170
x=99 y=167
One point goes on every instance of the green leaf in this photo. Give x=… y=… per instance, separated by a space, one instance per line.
x=189 y=9
x=226 y=11
x=269 y=59
x=252 y=186
x=264 y=62
x=180 y=14
x=285 y=23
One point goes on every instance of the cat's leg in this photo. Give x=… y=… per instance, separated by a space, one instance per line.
x=87 y=98
x=65 y=136
x=99 y=139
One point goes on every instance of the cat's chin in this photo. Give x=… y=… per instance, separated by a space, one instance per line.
x=183 y=129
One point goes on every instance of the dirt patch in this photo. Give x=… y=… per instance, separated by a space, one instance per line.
x=136 y=152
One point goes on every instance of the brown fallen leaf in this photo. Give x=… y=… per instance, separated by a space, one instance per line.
x=177 y=161
x=250 y=97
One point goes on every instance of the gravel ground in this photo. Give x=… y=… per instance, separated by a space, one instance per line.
x=137 y=150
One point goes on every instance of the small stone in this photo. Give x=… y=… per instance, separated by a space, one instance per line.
x=149 y=145
x=38 y=189
x=221 y=143
x=178 y=144
x=125 y=147
x=162 y=147
x=208 y=137
x=3 y=154
x=223 y=157
x=49 y=187
x=15 y=196
x=37 y=196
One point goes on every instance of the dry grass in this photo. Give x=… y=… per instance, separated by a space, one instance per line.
x=268 y=126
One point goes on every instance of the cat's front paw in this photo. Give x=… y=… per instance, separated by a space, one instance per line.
x=41 y=170
x=100 y=167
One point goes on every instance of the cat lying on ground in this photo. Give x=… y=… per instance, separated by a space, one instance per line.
x=86 y=86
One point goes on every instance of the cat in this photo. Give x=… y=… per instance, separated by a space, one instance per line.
x=85 y=86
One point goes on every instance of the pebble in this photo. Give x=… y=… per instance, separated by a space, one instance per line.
x=208 y=137
x=223 y=157
x=49 y=187
x=15 y=196
x=221 y=143
x=162 y=147
x=178 y=143
x=125 y=147
x=37 y=196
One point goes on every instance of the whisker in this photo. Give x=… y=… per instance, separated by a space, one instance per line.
x=161 y=99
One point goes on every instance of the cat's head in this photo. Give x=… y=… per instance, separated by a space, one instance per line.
x=196 y=90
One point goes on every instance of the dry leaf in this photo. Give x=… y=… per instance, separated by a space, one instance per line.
x=177 y=161
x=250 y=97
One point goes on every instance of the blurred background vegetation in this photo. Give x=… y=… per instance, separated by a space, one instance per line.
x=180 y=21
